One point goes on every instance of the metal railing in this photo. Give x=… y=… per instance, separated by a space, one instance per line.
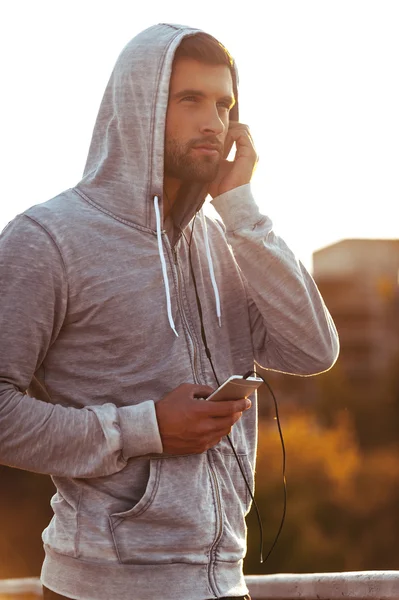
x=26 y=588
x=376 y=585
x=362 y=585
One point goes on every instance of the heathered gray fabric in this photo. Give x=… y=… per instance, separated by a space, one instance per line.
x=84 y=329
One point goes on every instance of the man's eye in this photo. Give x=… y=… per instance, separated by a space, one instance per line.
x=189 y=99
x=225 y=105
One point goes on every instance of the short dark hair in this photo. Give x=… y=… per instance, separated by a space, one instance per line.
x=206 y=49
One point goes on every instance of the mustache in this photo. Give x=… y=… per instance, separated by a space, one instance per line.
x=207 y=141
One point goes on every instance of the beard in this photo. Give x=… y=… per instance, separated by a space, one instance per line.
x=181 y=164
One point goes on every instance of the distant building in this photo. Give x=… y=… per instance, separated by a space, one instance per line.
x=359 y=281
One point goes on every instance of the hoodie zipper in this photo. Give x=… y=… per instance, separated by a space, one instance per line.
x=219 y=516
x=193 y=347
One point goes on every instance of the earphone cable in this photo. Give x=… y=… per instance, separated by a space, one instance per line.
x=283 y=462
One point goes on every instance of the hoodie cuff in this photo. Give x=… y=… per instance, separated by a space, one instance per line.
x=238 y=208
x=139 y=428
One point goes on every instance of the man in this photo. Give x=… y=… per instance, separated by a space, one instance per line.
x=121 y=310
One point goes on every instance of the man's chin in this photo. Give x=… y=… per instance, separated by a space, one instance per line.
x=203 y=170
x=206 y=170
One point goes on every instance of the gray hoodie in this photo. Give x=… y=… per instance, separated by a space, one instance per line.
x=87 y=319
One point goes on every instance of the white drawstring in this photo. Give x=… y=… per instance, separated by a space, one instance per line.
x=163 y=264
x=211 y=271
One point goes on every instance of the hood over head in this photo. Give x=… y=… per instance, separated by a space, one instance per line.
x=124 y=169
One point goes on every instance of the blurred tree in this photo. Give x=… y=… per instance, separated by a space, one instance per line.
x=342 y=501
x=373 y=407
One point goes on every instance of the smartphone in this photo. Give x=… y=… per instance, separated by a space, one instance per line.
x=235 y=388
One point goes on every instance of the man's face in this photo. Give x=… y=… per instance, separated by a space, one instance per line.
x=197 y=120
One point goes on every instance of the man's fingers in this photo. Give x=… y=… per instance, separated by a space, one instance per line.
x=236 y=129
x=224 y=408
x=241 y=135
x=221 y=423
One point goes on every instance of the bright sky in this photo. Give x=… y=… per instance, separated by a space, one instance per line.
x=319 y=88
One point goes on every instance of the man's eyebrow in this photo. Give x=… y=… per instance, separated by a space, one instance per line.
x=191 y=92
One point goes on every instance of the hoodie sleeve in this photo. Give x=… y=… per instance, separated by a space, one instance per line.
x=36 y=435
x=292 y=330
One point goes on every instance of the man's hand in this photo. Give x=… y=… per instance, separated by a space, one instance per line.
x=188 y=424
x=238 y=172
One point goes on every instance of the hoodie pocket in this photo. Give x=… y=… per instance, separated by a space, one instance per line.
x=235 y=502
x=174 y=520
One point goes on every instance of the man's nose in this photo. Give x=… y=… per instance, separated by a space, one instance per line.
x=212 y=123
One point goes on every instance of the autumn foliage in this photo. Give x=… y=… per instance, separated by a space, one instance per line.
x=342 y=497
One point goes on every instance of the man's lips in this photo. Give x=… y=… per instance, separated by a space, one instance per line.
x=206 y=148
